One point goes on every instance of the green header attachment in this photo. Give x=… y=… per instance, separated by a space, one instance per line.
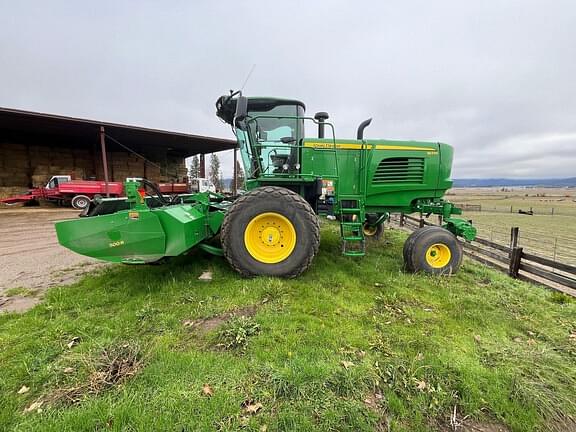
x=458 y=227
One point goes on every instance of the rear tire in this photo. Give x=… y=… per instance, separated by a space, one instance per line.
x=270 y=231
x=433 y=250
x=80 y=202
x=409 y=244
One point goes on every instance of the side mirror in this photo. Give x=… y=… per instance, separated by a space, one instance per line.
x=241 y=109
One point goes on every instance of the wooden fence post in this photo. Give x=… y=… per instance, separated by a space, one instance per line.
x=401 y=219
x=421 y=221
x=515 y=253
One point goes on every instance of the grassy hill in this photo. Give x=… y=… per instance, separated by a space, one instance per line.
x=351 y=345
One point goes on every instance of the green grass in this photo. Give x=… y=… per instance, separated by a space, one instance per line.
x=352 y=345
x=19 y=291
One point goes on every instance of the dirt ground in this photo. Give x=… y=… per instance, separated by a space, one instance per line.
x=31 y=260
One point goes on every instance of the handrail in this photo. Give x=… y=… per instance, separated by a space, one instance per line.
x=298 y=146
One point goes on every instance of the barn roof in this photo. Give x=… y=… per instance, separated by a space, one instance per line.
x=49 y=128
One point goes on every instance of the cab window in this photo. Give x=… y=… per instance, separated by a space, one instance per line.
x=277 y=138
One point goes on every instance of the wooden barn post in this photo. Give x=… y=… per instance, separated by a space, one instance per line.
x=104 y=158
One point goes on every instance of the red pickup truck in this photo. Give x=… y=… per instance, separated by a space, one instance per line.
x=63 y=190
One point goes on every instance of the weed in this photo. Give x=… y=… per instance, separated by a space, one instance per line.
x=234 y=334
x=113 y=366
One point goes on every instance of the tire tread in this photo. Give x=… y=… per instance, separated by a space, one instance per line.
x=267 y=193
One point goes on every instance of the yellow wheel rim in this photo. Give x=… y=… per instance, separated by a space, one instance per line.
x=438 y=255
x=270 y=238
x=369 y=230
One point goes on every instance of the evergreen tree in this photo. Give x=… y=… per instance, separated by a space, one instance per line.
x=239 y=176
x=221 y=182
x=195 y=167
x=215 y=171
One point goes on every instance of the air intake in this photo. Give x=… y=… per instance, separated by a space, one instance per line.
x=399 y=170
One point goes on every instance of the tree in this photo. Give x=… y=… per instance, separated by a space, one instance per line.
x=215 y=171
x=220 y=182
x=239 y=176
x=195 y=167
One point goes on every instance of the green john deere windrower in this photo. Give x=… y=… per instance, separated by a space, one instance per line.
x=273 y=228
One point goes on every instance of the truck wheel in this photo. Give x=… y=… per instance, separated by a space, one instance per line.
x=433 y=250
x=270 y=231
x=80 y=202
x=372 y=232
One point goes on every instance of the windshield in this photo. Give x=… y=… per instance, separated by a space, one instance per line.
x=276 y=133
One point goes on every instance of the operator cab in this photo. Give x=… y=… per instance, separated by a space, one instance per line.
x=269 y=133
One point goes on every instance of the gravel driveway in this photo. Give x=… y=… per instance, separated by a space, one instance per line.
x=31 y=258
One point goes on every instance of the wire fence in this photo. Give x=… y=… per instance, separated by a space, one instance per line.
x=518 y=209
x=560 y=248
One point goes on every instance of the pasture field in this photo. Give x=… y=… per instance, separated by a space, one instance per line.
x=544 y=233
x=500 y=199
x=351 y=345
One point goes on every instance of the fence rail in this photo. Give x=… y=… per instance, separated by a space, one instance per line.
x=527 y=209
x=542 y=240
x=510 y=259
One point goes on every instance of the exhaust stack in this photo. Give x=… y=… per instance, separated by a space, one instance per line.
x=321 y=117
x=363 y=125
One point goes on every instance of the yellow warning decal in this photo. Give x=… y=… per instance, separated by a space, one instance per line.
x=354 y=146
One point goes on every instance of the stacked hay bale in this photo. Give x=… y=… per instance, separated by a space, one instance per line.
x=27 y=165
x=14 y=165
x=121 y=165
x=176 y=170
x=30 y=165
x=153 y=172
x=14 y=169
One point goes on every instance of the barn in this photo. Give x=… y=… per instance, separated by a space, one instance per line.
x=35 y=146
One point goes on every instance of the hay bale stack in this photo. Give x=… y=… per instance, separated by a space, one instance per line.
x=13 y=165
x=9 y=191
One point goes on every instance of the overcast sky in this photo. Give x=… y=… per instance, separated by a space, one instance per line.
x=496 y=79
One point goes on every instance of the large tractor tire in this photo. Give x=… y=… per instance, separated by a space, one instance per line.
x=80 y=202
x=409 y=244
x=270 y=231
x=433 y=250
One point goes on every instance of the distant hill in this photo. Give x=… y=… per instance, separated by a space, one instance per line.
x=567 y=182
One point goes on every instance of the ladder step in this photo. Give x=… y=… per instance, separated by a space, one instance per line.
x=354 y=253
x=350 y=210
x=353 y=238
x=351 y=224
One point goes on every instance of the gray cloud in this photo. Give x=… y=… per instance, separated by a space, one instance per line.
x=493 y=78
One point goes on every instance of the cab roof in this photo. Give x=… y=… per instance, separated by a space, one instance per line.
x=270 y=102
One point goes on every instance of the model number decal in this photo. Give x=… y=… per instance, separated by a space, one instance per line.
x=116 y=243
